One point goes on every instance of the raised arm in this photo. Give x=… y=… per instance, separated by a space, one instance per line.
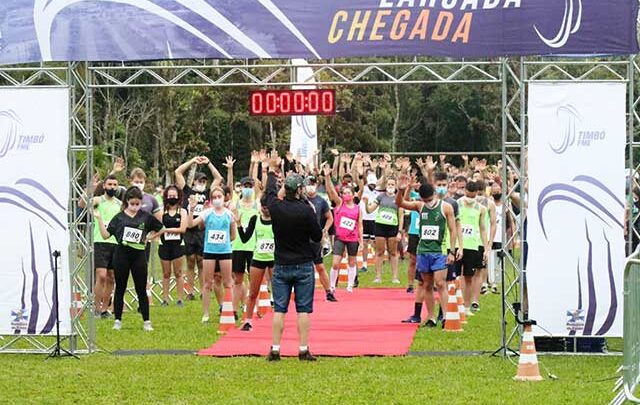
x=402 y=196
x=328 y=184
x=179 y=172
x=229 y=162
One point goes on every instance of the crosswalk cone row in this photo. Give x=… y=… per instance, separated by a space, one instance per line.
x=460 y=301
x=343 y=274
x=264 y=303
x=227 y=318
x=452 y=317
x=528 y=369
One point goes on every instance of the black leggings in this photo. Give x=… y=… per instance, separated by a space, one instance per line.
x=127 y=260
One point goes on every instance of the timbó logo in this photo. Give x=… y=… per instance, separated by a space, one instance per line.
x=572 y=132
x=12 y=136
x=571 y=21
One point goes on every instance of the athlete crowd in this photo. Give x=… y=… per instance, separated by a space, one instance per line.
x=445 y=219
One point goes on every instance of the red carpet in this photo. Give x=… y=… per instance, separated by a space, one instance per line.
x=364 y=323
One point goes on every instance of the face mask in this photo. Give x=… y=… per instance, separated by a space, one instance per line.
x=497 y=196
x=441 y=190
x=110 y=192
x=217 y=203
x=371 y=187
x=347 y=198
x=247 y=192
x=311 y=189
x=172 y=201
x=391 y=190
x=199 y=188
x=140 y=186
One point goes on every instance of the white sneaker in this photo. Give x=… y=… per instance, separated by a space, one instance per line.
x=467 y=312
x=205 y=318
x=395 y=281
x=377 y=281
x=349 y=289
x=147 y=326
x=117 y=325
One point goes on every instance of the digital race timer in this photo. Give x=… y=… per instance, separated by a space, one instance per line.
x=293 y=102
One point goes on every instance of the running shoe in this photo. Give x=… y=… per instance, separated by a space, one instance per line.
x=410 y=289
x=147 y=326
x=483 y=289
x=164 y=303
x=363 y=270
x=246 y=327
x=331 y=297
x=179 y=304
x=395 y=281
x=191 y=297
x=105 y=315
x=468 y=312
x=205 y=318
x=475 y=307
x=273 y=356
x=117 y=325
x=377 y=280
x=306 y=356
x=412 y=319
x=431 y=323
x=494 y=289
x=349 y=289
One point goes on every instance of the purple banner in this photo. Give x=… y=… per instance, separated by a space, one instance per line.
x=127 y=30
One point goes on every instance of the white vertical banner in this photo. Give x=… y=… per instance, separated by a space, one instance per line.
x=304 y=128
x=34 y=199
x=577 y=135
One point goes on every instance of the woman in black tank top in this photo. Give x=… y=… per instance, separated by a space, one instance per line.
x=171 y=249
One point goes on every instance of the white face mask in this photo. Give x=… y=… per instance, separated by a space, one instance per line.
x=311 y=189
x=217 y=203
x=199 y=188
x=391 y=189
x=140 y=186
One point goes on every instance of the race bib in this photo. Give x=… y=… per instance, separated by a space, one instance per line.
x=467 y=231
x=347 y=223
x=388 y=217
x=172 y=236
x=198 y=209
x=430 y=232
x=132 y=235
x=266 y=246
x=217 y=237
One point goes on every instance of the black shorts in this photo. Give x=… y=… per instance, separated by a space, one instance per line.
x=471 y=261
x=194 y=242
x=453 y=271
x=216 y=256
x=170 y=251
x=412 y=248
x=369 y=229
x=339 y=247
x=241 y=261
x=386 y=231
x=259 y=264
x=103 y=255
x=317 y=252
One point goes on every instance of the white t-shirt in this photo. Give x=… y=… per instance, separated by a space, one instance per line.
x=372 y=195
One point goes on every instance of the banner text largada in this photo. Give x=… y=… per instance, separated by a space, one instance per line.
x=412 y=20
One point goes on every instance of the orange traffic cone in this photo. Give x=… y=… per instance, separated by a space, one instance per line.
x=452 y=317
x=528 y=365
x=343 y=274
x=460 y=301
x=264 y=303
x=227 y=318
x=76 y=306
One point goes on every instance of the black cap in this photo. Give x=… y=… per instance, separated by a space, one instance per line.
x=247 y=180
x=311 y=180
x=199 y=176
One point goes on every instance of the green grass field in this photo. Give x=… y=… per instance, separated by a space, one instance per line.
x=183 y=379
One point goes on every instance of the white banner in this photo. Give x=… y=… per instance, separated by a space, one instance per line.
x=576 y=207
x=304 y=128
x=34 y=196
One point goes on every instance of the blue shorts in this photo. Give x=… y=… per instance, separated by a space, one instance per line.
x=430 y=262
x=301 y=278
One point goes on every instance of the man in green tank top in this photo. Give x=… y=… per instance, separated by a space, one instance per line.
x=436 y=217
x=103 y=249
x=243 y=210
x=474 y=240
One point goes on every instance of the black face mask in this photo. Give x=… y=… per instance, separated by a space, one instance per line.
x=497 y=196
x=372 y=187
x=110 y=192
x=172 y=201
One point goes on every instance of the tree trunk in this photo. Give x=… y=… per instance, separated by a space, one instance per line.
x=396 y=119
